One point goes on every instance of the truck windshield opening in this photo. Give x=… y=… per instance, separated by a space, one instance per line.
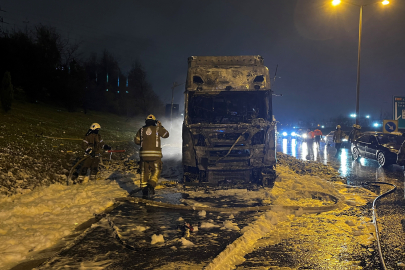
x=227 y=107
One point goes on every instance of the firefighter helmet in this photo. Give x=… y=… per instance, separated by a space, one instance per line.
x=95 y=126
x=338 y=126
x=150 y=117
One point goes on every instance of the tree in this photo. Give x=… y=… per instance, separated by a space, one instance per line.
x=6 y=92
x=103 y=92
x=141 y=90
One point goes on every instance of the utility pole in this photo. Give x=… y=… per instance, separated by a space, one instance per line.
x=2 y=21
x=175 y=84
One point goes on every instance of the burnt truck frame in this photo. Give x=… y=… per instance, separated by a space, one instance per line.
x=228 y=129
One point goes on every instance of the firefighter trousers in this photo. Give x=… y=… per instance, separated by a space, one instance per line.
x=150 y=172
x=92 y=163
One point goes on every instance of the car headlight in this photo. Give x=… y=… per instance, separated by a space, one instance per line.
x=285 y=133
x=304 y=136
x=344 y=140
x=293 y=134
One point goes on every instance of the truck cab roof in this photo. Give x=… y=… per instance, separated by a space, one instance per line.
x=227 y=73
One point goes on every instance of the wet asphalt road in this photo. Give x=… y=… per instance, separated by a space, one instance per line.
x=100 y=248
x=390 y=209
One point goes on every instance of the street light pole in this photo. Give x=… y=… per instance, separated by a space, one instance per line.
x=335 y=3
x=175 y=84
x=358 y=66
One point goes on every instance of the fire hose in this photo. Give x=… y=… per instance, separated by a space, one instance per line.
x=268 y=207
x=375 y=219
x=68 y=179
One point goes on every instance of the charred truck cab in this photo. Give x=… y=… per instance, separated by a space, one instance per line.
x=228 y=128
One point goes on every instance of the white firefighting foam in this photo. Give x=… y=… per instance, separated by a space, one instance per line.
x=39 y=219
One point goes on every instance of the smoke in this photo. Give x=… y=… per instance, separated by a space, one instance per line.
x=172 y=149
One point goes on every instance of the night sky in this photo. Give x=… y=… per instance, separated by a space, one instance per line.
x=313 y=43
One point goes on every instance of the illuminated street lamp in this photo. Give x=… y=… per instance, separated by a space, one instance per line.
x=335 y=3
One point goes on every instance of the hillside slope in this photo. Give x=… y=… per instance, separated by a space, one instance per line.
x=40 y=144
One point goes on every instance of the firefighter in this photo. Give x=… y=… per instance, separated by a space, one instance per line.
x=93 y=146
x=355 y=133
x=150 y=153
x=401 y=154
x=338 y=136
x=318 y=136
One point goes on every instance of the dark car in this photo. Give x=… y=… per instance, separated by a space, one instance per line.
x=328 y=139
x=379 y=146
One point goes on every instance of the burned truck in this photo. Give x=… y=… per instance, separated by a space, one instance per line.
x=228 y=129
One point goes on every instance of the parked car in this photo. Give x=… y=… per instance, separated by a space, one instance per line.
x=328 y=139
x=379 y=146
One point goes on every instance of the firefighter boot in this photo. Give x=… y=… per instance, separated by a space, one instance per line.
x=94 y=173
x=80 y=178
x=86 y=179
x=151 y=191
x=145 y=193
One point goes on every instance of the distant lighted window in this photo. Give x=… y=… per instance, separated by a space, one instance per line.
x=127 y=92
x=127 y=82
x=107 y=77
x=118 y=92
x=106 y=90
x=118 y=81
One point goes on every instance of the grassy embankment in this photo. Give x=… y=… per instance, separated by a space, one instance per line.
x=40 y=144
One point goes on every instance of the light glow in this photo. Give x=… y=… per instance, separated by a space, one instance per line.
x=343 y=161
x=385 y=2
x=336 y=2
x=304 y=151
x=285 y=142
x=293 y=147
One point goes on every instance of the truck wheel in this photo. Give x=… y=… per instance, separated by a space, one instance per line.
x=355 y=154
x=382 y=160
x=190 y=174
x=268 y=178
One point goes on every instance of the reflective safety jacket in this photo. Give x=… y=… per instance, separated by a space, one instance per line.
x=317 y=132
x=401 y=155
x=338 y=136
x=354 y=134
x=94 y=141
x=311 y=135
x=148 y=137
